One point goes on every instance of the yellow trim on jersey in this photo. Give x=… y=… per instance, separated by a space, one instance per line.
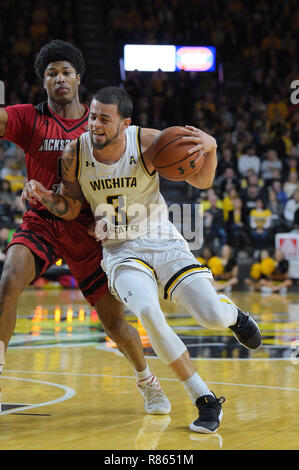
x=141 y=156
x=176 y=279
x=79 y=156
x=227 y=301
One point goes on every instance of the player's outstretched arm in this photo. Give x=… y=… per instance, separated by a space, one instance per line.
x=68 y=202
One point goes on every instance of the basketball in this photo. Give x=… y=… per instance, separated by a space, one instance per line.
x=170 y=155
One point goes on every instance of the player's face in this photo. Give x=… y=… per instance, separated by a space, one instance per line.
x=106 y=126
x=61 y=82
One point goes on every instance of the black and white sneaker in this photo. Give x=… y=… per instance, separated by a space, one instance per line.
x=246 y=331
x=210 y=414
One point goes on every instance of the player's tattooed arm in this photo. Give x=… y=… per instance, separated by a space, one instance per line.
x=67 y=202
x=70 y=188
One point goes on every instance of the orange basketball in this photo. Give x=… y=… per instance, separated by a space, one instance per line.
x=170 y=155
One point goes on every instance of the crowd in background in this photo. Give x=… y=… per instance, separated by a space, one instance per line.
x=256 y=189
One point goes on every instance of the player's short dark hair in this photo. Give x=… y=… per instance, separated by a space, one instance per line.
x=118 y=96
x=59 y=50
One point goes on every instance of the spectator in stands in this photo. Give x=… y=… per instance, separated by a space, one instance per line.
x=251 y=179
x=269 y=274
x=228 y=180
x=205 y=199
x=6 y=193
x=291 y=166
x=280 y=194
x=2 y=154
x=278 y=280
x=249 y=161
x=291 y=206
x=214 y=229
x=13 y=174
x=269 y=165
x=277 y=108
x=260 y=221
x=226 y=160
x=207 y=253
x=263 y=144
x=276 y=207
x=296 y=223
x=227 y=203
x=236 y=225
x=262 y=267
x=225 y=269
x=249 y=198
x=7 y=202
x=291 y=184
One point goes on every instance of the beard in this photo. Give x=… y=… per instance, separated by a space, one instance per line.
x=101 y=145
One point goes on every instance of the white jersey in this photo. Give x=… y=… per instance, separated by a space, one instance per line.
x=124 y=193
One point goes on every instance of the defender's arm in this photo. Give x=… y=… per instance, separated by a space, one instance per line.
x=68 y=202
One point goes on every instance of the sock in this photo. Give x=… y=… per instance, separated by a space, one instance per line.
x=2 y=354
x=196 y=387
x=144 y=376
x=229 y=308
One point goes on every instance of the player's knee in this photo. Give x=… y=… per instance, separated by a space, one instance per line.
x=212 y=316
x=148 y=315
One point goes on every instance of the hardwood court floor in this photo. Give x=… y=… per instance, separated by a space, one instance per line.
x=64 y=387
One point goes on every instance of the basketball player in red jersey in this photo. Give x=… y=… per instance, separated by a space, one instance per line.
x=42 y=132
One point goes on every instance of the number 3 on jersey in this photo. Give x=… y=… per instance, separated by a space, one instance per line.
x=119 y=204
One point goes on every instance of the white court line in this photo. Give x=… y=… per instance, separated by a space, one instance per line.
x=69 y=393
x=103 y=347
x=134 y=377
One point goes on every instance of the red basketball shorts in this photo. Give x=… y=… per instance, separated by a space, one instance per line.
x=51 y=238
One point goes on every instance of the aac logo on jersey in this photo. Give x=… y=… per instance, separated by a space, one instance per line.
x=132 y=160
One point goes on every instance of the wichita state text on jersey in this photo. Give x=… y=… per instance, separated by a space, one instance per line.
x=109 y=183
x=124 y=192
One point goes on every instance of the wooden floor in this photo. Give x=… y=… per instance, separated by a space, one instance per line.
x=64 y=387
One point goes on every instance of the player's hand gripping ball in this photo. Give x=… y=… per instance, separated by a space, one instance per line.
x=176 y=154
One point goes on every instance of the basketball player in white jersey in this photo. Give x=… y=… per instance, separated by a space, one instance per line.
x=142 y=251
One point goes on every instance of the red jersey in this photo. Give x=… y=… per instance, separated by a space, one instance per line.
x=42 y=135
